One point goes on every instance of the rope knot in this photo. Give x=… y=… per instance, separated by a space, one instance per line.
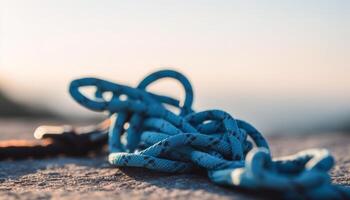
x=144 y=133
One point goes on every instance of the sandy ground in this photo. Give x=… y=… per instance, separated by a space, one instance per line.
x=92 y=178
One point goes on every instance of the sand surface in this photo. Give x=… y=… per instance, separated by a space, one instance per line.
x=92 y=178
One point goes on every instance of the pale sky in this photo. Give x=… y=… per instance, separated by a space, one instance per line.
x=274 y=63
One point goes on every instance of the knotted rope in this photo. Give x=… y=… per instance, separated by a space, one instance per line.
x=213 y=140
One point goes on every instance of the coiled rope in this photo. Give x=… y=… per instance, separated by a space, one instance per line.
x=213 y=140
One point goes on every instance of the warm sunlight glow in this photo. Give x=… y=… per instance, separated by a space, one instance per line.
x=273 y=63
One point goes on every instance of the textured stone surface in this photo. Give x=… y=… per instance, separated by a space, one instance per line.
x=91 y=178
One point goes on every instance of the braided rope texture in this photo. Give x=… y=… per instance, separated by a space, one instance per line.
x=146 y=133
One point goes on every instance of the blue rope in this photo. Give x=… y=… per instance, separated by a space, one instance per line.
x=213 y=140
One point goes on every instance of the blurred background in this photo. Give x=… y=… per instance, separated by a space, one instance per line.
x=282 y=65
